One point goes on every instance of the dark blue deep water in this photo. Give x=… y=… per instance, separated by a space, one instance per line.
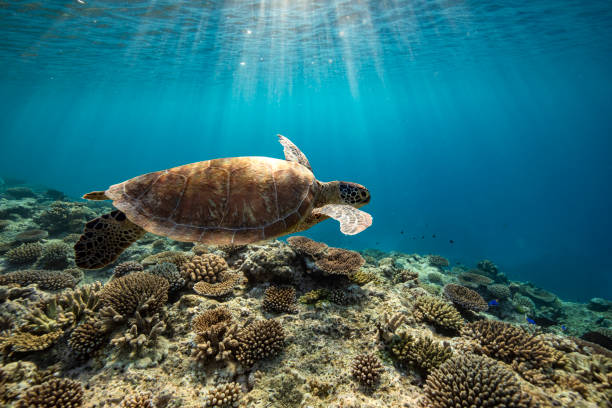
x=488 y=123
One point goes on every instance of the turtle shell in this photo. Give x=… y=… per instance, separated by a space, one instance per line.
x=237 y=200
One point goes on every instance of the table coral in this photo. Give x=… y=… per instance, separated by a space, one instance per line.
x=55 y=393
x=23 y=342
x=439 y=313
x=499 y=291
x=280 y=300
x=474 y=381
x=465 y=298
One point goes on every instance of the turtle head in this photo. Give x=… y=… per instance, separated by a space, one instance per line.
x=353 y=194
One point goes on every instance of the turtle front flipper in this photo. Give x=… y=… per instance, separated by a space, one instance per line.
x=352 y=221
x=292 y=153
x=104 y=239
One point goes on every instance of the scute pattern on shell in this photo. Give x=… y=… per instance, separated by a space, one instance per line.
x=222 y=201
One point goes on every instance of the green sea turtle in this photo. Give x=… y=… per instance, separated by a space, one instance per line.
x=237 y=200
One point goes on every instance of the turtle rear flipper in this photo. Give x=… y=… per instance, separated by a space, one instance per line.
x=104 y=239
x=352 y=221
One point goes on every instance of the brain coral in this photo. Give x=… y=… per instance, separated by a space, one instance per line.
x=508 y=343
x=280 y=300
x=223 y=396
x=55 y=393
x=474 y=381
x=366 y=369
x=306 y=246
x=24 y=254
x=138 y=291
x=465 y=298
x=338 y=261
x=473 y=280
x=439 y=313
x=46 y=280
x=259 y=340
x=33 y=235
x=207 y=267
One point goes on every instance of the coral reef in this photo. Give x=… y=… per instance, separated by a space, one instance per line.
x=169 y=272
x=48 y=280
x=32 y=235
x=176 y=257
x=64 y=216
x=24 y=254
x=124 y=268
x=499 y=291
x=141 y=400
x=259 y=340
x=338 y=261
x=473 y=280
x=23 y=342
x=473 y=381
x=55 y=255
x=437 y=312
x=55 y=393
x=215 y=335
x=465 y=298
x=20 y=192
x=86 y=338
x=207 y=268
x=366 y=369
x=143 y=333
x=280 y=300
x=223 y=396
x=223 y=288
x=306 y=246
x=421 y=352
x=437 y=261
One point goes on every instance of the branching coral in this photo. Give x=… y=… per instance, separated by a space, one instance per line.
x=508 y=343
x=23 y=342
x=227 y=284
x=421 y=352
x=207 y=268
x=366 y=369
x=280 y=300
x=474 y=280
x=55 y=393
x=124 y=268
x=136 y=292
x=142 y=333
x=86 y=338
x=46 y=280
x=170 y=272
x=223 y=396
x=338 y=261
x=306 y=246
x=55 y=255
x=474 y=381
x=387 y=327
x=259 y=340
x=141 y=400
x=437 y=261
x=215 y=335
x=439 y=313
x=24 y=254
x=465 y=298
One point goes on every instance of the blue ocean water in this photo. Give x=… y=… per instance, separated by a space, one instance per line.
x=482 y=129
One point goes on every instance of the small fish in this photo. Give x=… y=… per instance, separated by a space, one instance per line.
x=402 y=232
x=563 y=327
x=530 y=320
x=433 y=236
x=493 y=302
x=451 y=241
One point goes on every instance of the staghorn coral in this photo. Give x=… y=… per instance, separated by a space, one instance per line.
x=474 y=381
x=215 y=335
x=141 y=400
x=499 y=291
x=421 y=352
x=176 y=257
x=170 y=272
x=207 y=268
x=338 y=261
x=439 y=313
x=142 y=334
x=437 y=261
x=473 y=279
x=46 y=280
x=86 y=338
x=24 y=342
x=136 y=292
x=223 y=288
x=465 y=298
x=32 y=235
x=280 y=300
x=124 y=268
x=306 y=246
x=223 y=396
x=508 y=343
x=259 y=340
x=55 y=393
x=55 y=255
x=24 y=254
x=366 y=369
